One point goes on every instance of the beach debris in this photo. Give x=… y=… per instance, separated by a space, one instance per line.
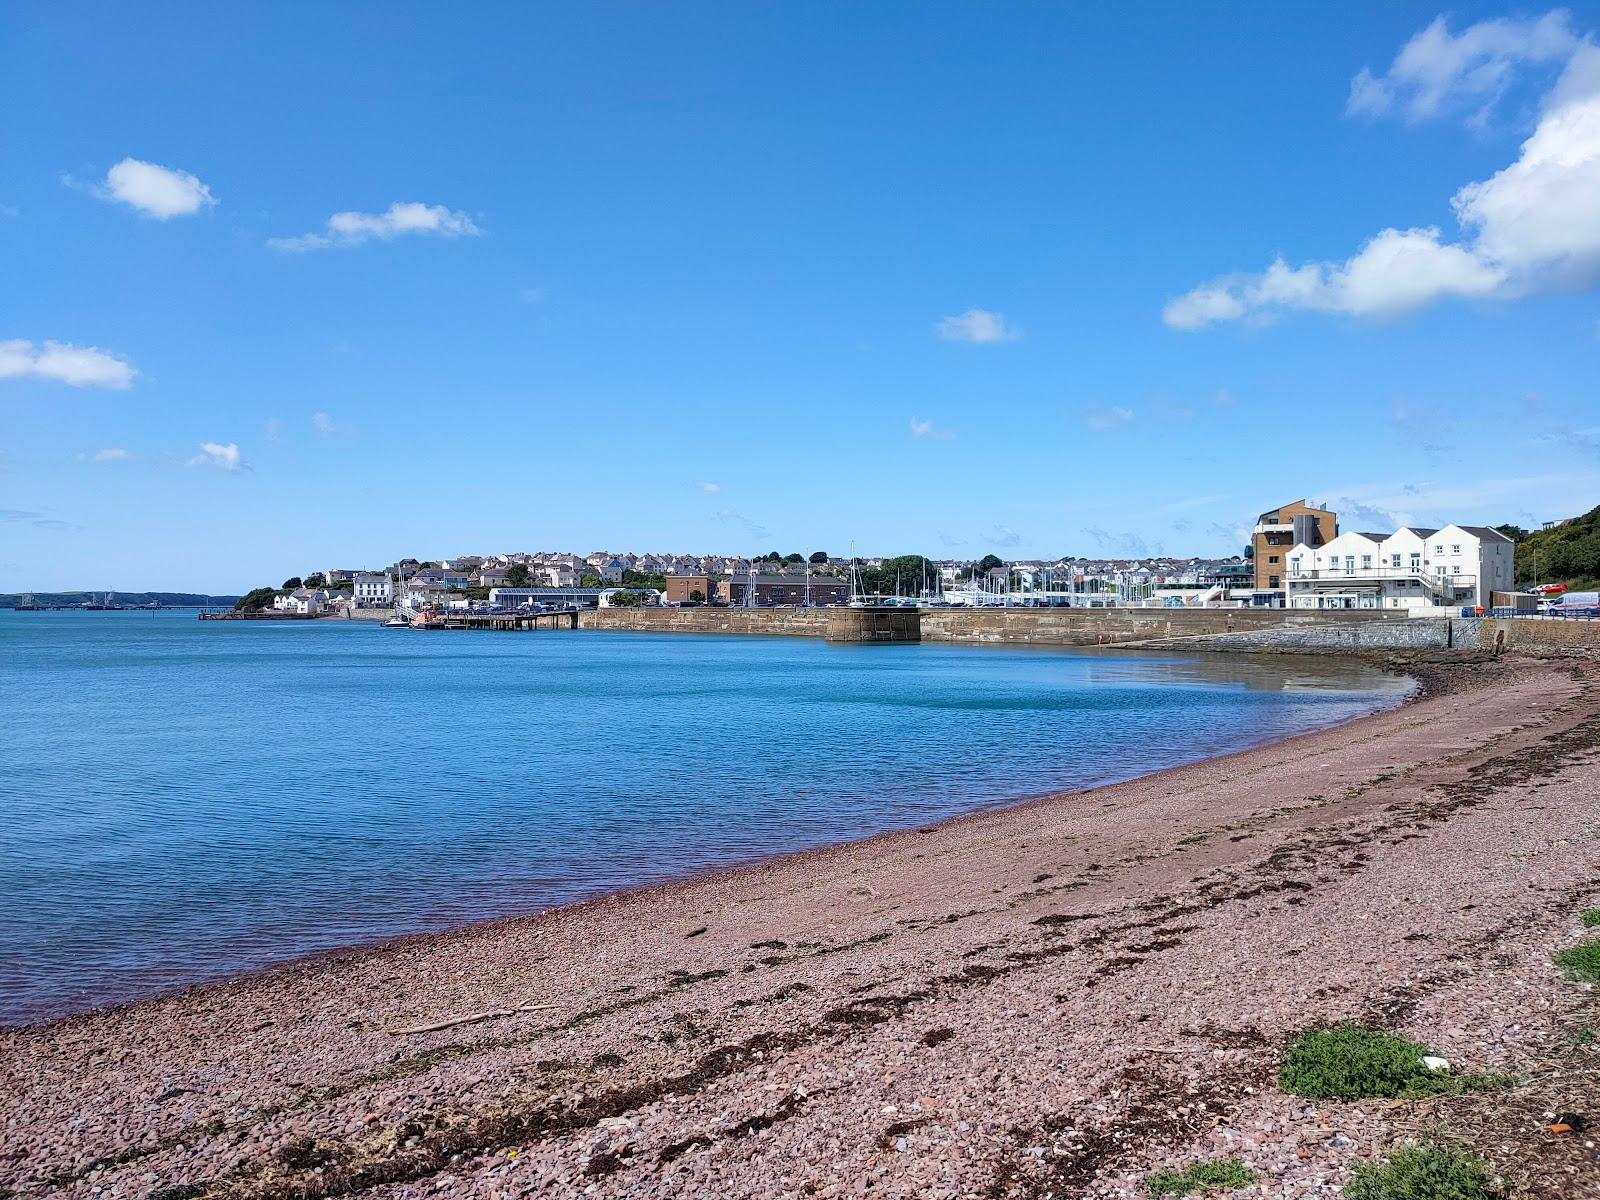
x=1566 y=1123
x=1434 y=1063
x=469 y=1019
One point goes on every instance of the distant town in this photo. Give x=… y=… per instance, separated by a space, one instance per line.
x=1297 y=557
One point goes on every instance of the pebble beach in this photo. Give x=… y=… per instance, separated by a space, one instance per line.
x=1053 y=999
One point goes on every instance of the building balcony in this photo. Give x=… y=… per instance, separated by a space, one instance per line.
x=1275 y=527
x=1347 y=576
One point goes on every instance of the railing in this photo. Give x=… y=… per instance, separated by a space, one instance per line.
x=1437 y=580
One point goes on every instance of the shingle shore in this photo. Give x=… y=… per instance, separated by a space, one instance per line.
x=1048 y=1000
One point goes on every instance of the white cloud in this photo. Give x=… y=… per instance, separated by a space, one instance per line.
x=79 y=366
x=927 y=429
x=158 y=192
x=1533 y=227
x=1108 y=418
x=223 y=456
x=1437 y=71
x=354 y=228
x=710 y=489
x=111 y=454
x=978 y=326
x=273 y=430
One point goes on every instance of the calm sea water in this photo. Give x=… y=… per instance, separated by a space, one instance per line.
x=185 y=800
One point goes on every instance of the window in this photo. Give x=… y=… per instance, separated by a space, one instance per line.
x=1366 y=560
x=1438 y=548
x=1396 y=561
x=1455 y=549
x=1272 y=558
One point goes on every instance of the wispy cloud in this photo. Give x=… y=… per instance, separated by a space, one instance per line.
x=273 y=430
x=978 y=326
x=111 y=454
x=152 y=191
x=1103 y=419
x=754 y=528
x=1532 y=228
x=1005 y=537
x=224 y=456
x=22 y=516
x=709 y=488
x=354 y=228
x=928 y=431
x=61 y=362
x=324 y=426
x=1224 y=398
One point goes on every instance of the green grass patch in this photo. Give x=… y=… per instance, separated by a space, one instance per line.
x=1581 y=961
x=1590 y=917
x=1222 y=1175
x=1423 y=1173
x=1351 y=1062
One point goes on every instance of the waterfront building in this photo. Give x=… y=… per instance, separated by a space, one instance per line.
x=681 y=589
x=1457 y=566
x=1279 y=531
x=771 y=591
x=564 y=597
x=302 y=602
x=372 y=591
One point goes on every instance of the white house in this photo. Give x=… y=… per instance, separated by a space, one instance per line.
x=1457 y=566
x=302 y=602
x=373 y=591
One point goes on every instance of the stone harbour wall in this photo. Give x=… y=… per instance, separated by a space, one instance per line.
x=1534 y=635
x=769 y=622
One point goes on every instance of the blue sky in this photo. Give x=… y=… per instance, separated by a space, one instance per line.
x=933 y=278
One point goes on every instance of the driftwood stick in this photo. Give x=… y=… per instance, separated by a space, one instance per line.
x=470 y=1019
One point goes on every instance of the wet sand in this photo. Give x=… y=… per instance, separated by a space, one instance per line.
x=1047 y=1000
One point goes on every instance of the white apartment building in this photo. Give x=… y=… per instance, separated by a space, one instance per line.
x=1457 y=566
x=373 y=591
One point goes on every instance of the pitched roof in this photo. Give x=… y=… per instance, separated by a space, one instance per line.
x=1483 y=531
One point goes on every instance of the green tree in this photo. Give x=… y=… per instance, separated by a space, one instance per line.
x=795 y=558
x=697 y=597
x=642 y=580
x=904 y=574
x=989 y=562
x=258 y=598
x=291 y=583
x=820 y=558
x=316 y=579
x=590 y=581
x=517 y=575
x=626 y=599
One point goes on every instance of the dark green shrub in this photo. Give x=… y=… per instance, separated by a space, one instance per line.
x=1223 y=1175
x=1581 y=961
x=1423 y=1173
x=1590 y=917
x=1351 y=1062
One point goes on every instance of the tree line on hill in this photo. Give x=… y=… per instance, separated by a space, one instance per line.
x=1567 y=553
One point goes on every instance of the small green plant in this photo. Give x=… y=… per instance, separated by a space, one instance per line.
x=1581 y=961
x=1222 y=1175
x=1590 y=917
x=1423 y=1173
x=1351 y=1062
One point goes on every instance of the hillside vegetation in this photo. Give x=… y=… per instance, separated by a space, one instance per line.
x=1568 y=553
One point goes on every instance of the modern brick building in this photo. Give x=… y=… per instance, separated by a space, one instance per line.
x=773 y=590
x=1279 y=531
x=680 y=589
